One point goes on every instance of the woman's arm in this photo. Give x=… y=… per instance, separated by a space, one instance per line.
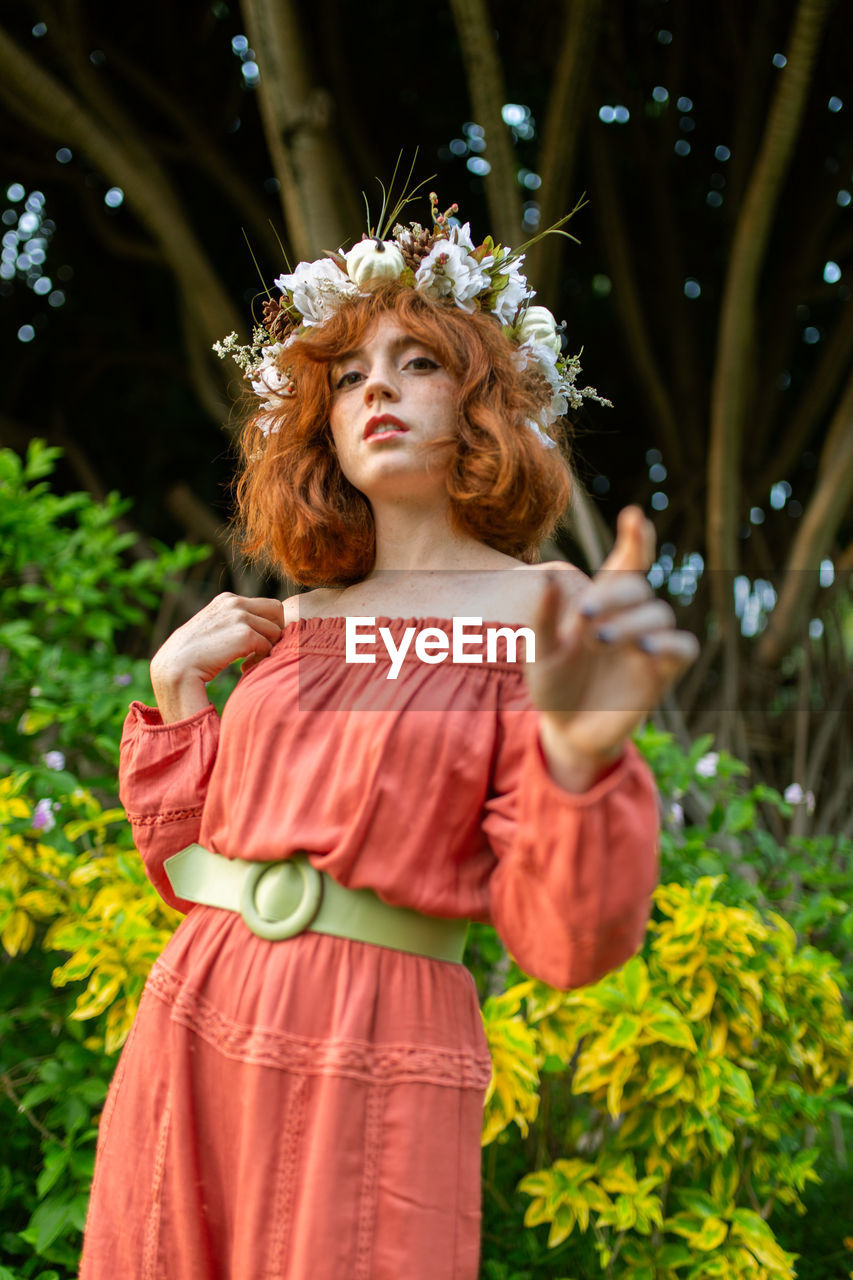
x=168 y=751
x=574 y=816
x=230 y=627
x=605 y=656
x=571 y=893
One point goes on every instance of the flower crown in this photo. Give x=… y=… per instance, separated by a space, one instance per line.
x=440 y=261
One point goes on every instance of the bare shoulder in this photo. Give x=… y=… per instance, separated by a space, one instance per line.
x=575 y=579
x=561 y=565
x=522 y=589
x=305 y=604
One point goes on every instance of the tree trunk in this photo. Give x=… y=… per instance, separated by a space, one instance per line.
x=319 y=204
x=560 y=140
x=488 y=95
x=732 y=380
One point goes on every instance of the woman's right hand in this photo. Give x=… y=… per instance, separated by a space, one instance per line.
x=230 y=627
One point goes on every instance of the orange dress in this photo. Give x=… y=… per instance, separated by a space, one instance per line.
x=311 y=1109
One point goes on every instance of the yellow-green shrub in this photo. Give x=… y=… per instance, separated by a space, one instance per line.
x=700 y=1066
x=92 y=893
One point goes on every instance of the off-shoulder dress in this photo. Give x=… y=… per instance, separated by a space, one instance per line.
x=310 y=1109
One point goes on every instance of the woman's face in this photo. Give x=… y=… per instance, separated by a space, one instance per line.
x=391 y=401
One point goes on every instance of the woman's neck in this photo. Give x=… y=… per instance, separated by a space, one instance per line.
x=411 y=539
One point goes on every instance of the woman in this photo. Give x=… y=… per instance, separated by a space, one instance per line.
x=301 y=1094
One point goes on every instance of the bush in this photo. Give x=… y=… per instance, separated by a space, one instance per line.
x=650 y=1122
x=75 y=907
x=682 y=1091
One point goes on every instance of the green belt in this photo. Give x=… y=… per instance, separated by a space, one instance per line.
x=281 y=899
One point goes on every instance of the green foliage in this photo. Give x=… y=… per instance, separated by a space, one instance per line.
x=688 y=1082
x=79 y=923
x=807 y=880
x=644 y=1127
x=69 y=594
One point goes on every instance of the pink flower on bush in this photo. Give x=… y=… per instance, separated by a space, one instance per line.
x=43 y=819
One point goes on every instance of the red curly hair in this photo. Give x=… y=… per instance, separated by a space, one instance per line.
x=296 y=509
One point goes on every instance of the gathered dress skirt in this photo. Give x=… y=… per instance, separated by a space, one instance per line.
x=300 y=1110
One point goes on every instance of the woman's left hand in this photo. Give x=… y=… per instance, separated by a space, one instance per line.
x=605 y=656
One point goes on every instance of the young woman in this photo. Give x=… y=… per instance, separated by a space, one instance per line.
x=301 y=1094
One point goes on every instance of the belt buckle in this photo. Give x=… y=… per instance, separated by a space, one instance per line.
x=302 y=914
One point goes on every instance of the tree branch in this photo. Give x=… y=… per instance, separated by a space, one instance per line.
x=561 y=138
x=818 y=526
x=318 y=201
x=488 y=95
x=46 y=104
x=203 y=151
x=628 y=307
x=732 y=380
x=814 y=404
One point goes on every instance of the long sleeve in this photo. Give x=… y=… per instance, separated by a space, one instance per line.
x=164 y=772
x=570 y=896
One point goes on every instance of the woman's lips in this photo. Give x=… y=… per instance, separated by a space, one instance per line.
x=383 y=426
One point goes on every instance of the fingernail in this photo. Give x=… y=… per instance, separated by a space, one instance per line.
x=647 y=645
x=590 y=610
x=606 y=634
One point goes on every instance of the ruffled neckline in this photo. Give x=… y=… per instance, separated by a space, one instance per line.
x=327 y=634
x=337 y=622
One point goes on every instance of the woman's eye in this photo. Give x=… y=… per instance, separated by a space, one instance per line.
x=422 y=362
x=347 y=379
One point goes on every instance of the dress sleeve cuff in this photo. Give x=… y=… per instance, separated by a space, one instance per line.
x=571 y=893
x=609 y=780
x=149 y=719
x=165 y=768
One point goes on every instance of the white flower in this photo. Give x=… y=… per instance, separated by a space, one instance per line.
x=545 y=358
x=317 y=289
x=461 y=235
x=541 y=354
x=538 y=430
x=374 y=260
x=676 y=814
x=794 y=794
x=539 y=328
x=266 y=424
x=513 y=292
x=449 y=269
x=54 y=760
x=268 y=381
x=706 y=766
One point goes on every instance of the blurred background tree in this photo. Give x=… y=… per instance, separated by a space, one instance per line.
x=712 y=289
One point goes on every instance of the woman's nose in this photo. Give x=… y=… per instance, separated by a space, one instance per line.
x=380 y=384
